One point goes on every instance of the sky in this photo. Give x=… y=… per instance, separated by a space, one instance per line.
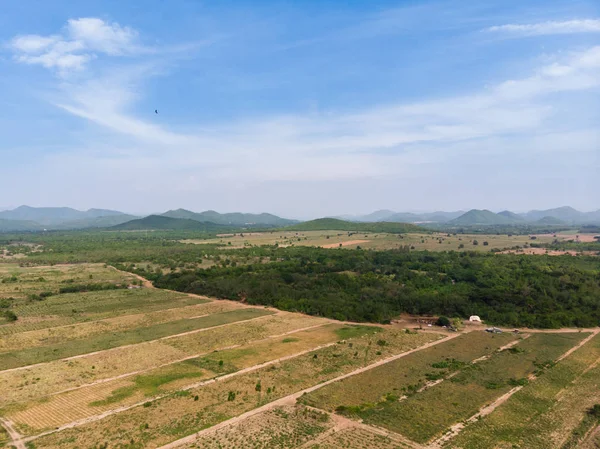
x=302 y=109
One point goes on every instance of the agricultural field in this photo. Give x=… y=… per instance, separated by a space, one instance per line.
x=101 y=358
x=380 y=241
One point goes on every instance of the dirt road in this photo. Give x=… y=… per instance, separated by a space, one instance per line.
x=15 y=437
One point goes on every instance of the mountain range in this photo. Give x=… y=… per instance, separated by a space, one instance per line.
x=230 y=219
x=26 y=218
x=565 y=215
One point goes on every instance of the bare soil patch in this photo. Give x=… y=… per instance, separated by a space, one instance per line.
x=346 y=243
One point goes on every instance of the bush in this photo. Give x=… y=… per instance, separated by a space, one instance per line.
x=595 y=411
x=9 y=315
x=443 y=321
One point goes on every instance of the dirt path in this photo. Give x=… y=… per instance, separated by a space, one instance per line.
x=108 y=413
x=291 y=399
x=13 y=434
x=457 y=428
x=224 y=348
x=577 y=346
x=145 y=282
x=342 y=423
x=591 y=440
x=88 y=354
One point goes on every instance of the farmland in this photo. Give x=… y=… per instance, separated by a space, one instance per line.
x=378 y=241
x=99 y=356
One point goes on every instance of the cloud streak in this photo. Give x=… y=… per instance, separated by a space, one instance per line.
x=548 y=28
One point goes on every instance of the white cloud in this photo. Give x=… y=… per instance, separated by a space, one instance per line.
x=81 y=41
x=550 y=27
x=109 y=38
x=33 y=43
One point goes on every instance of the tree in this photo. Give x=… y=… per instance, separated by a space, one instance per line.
x=443 y=321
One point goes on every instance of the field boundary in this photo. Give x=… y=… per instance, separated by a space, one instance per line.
x=88 y=354
x=225 y=348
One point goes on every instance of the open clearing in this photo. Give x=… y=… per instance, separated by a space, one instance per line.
x=431 y=242
x=143 y=367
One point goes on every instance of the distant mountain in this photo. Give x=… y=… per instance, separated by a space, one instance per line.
x=156 y=222
x=52 y=216
x=334 y=224
x=402 y=217
x=379 y=215
x=19 y=225
x=516 y=218
x=231 y=219
x=549 y=221
x=481 y=217
x=99 y=222
x=565 y=213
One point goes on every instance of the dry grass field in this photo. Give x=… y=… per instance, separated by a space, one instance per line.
x=381 y=241
x=143 y=367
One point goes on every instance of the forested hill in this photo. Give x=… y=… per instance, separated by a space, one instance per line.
x=333 y=224
x=511 y=290
x=153 y=222
x=231 y=219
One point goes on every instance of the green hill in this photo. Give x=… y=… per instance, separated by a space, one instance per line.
x=333 y=224
x=98 y=222
x=481 y=217
x=230 y=219
x=516 y=218
x=549 y=221
x=155 y=222
x=19 y=225
x=565 y=213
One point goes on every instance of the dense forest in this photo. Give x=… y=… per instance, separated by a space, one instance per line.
x=511 y=290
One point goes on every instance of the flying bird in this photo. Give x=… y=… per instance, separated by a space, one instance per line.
x=156 y=111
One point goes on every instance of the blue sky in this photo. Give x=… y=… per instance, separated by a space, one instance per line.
x=300 y=108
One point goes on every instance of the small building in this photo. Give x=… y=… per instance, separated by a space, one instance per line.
x=475 y=319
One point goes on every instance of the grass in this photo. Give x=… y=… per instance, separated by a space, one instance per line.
x=75 y=308
x=428 y=414
x=406 y=375
x=357 y=438
x=40 y=380
x=87 y=401
x=44 y=337
x=173 y=417
x=548 y=412
x=282 y=427
x=101 y=342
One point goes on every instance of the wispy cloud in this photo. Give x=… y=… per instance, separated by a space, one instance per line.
x=548 y=28
x=81 y=41
x=379 y=141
